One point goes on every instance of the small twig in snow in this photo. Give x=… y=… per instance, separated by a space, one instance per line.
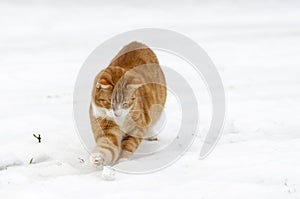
x=38 y=137
x=81 y=160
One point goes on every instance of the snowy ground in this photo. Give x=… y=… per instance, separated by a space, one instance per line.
x=255 y=47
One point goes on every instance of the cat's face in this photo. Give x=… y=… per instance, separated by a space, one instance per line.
x=115 y=90
x=124 y=96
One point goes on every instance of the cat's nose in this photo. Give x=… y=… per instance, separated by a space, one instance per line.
x=118 y=112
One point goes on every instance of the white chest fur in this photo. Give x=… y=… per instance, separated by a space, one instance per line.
x=109 y=114
x=101 y=112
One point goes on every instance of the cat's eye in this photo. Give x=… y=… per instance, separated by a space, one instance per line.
x=103 y=86
x=98 y=85
x=125 y=104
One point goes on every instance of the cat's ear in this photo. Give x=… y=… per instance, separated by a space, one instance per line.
x=103 y=84
x=134 y=83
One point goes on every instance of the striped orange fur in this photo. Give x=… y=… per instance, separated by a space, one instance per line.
x=128 y=97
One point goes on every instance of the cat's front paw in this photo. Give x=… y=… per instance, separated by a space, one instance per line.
x=97 y=160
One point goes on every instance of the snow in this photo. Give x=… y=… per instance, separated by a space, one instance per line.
x=108 y=173
x=255 y=47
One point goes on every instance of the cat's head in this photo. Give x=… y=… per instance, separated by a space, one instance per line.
x=124 y=95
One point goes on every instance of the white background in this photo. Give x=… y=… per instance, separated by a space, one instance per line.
x=255 y=46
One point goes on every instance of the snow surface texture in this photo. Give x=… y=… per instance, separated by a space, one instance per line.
x=255 y=46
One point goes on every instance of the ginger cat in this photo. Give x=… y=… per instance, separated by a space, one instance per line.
x=128 y=97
